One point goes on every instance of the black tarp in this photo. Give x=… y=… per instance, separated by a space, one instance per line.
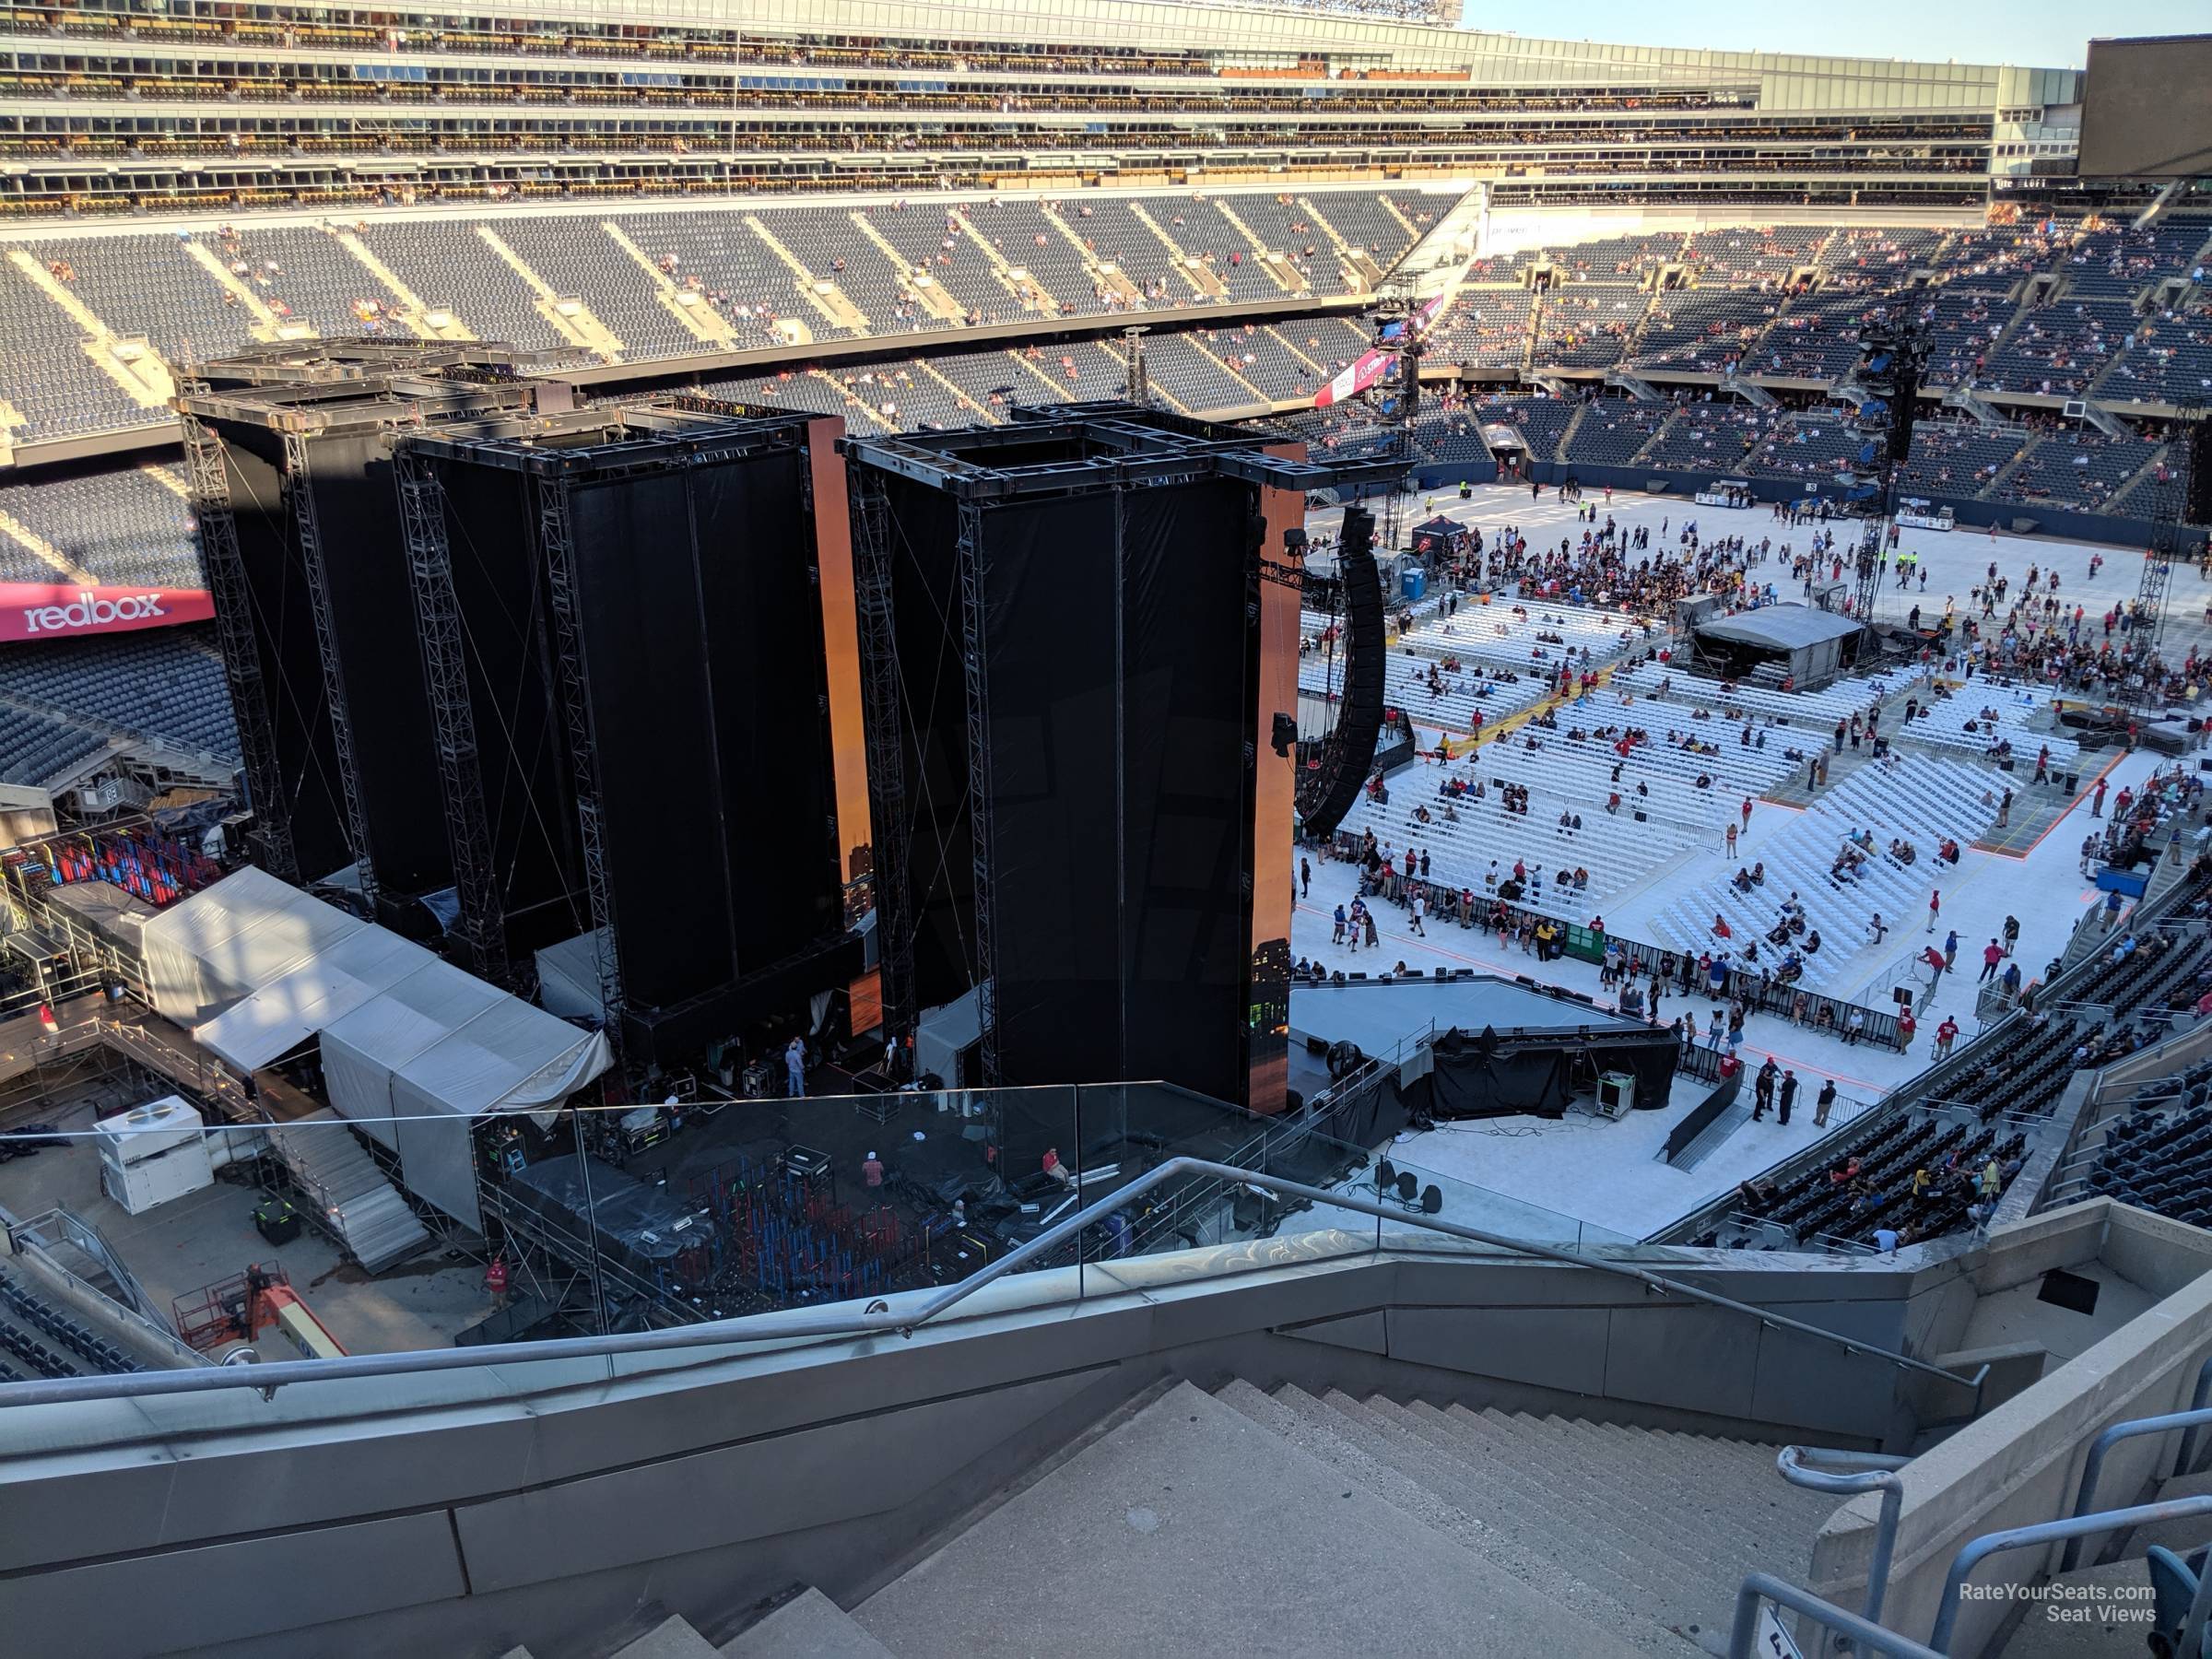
x=1484 y=1075
x=380 y=662
x=638 y=1226
x=1119 y=660
x=529 y=804
x=311 y=795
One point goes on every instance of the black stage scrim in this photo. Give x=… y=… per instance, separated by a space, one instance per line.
x=326 y=596
x=1486 y=1074
x=1188 y=804
x=669 y=794
x=529 y=819
x=1082 y=591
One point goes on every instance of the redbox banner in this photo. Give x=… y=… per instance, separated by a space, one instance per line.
x=32 y=611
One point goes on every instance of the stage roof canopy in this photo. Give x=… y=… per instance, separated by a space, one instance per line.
x=255 y=968
x=1780 y=628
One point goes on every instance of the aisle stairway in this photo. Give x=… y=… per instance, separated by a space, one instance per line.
x=1250 y=1521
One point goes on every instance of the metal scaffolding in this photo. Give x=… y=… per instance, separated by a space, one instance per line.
x=300 y=497
x=887 y=760
x=483 y=927
x=556 y=543
x=974 y=572
x=226 y=583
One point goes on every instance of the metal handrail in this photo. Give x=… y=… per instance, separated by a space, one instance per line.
x=2199 y=1398
x=877 y=1317
x=1765 y=1586
x=2092 y=1466
x=1978 y=1550
x=1874 y=1472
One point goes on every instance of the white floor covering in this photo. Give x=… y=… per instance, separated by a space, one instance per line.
x=1606 y=1173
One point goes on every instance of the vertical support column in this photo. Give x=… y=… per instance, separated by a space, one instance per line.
x=974 y=572
x=233 y=596
x=892 y=829
x=556 y=543
x=308 y=525
x=483 y=929
x=1272 y=792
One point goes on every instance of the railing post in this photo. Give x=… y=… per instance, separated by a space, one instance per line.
x=2198 y=1396
x=1764 y=1586
x=1878 y=1473
x=2092 y=1466
x=1974 y=1553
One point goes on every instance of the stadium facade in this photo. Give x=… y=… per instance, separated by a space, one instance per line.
x=219 y=108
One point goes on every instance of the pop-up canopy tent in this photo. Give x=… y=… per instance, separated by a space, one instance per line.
x=414 y=1049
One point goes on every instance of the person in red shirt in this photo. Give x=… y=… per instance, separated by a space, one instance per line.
x=1945 y=1034
x=1935 y=908
x=1992 y=956
x=1906 y=1026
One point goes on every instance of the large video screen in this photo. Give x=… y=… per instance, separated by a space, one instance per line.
x=2146 y=113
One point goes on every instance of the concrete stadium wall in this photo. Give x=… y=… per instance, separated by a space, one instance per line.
x=545 y=1503
x=2021 y=1462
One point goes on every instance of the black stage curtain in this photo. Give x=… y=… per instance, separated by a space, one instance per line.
x=1484 y=1075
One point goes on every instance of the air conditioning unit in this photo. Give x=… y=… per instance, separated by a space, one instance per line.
x=153 y=1154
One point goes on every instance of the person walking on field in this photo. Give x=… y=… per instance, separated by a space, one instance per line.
x=1823 y=1102
x=1935 y=908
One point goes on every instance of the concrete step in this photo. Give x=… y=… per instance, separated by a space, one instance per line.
x=1334 y=1441
x=1672 y=1567
x=1645 y=1481
x=2112 y=1624
x=1192 y=1528
x=1760 y=1504
x=1501 y=1500
x=808 y=1626
x=673 y=1638
x=2181 y=1537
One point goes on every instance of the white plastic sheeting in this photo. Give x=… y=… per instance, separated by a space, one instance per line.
x=414 y=1049
x=207 y=952
x=269 y=1023
x=414 y=1066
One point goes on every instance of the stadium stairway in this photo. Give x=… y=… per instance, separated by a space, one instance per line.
x=1401 y=1525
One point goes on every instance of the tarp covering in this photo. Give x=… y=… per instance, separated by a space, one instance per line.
x=228 y=940
x=1484 y=1075
x=1779 y=627
x=413 y=1048
x=417 y=1065
x=280 y=1016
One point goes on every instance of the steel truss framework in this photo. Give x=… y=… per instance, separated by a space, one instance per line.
x=1121 y=449
x=300 y=497
x=233 y=596
x=557 y=547
x=880 y=725
x=483 y=923
x=633 y=443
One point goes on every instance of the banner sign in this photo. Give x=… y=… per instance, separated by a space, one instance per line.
x=33 y=610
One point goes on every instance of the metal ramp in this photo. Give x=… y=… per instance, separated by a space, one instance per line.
x=363 y=1209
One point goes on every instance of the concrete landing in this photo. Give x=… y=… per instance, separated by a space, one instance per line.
x=809 y=1626
x=1191 y=1529
x=2096 y=1613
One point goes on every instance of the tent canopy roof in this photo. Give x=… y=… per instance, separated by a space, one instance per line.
x=1781 y=627
x=256 y=968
